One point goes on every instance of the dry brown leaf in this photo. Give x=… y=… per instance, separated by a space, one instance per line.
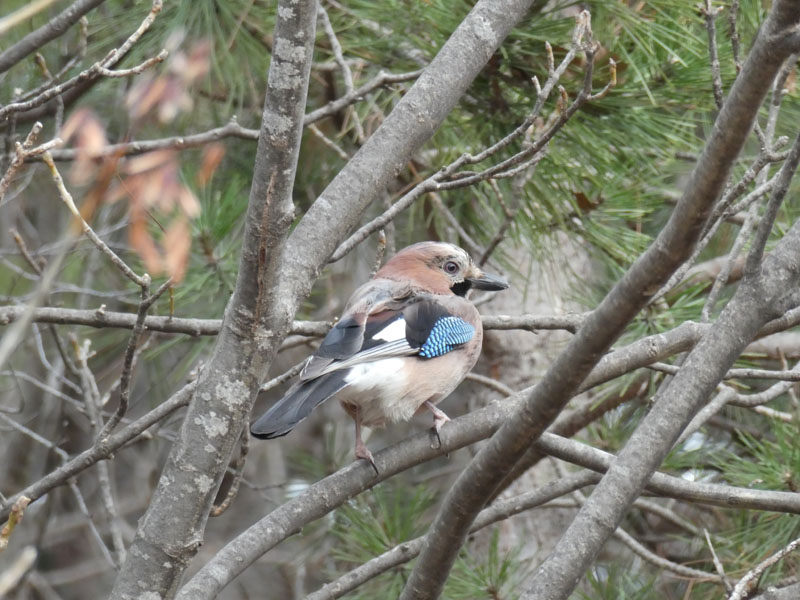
x=177 y=243
x=88 y=136
x=165 y=95
x=212 y=157
x=142 y=242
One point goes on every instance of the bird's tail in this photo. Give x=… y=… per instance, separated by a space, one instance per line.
x=296 y=405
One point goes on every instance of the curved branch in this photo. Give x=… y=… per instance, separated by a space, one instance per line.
x=254 y=325
x=327 y=494
x=653 y=268
x=499 y=510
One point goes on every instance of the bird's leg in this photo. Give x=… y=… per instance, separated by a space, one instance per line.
x=361 y=450
x=439 y=419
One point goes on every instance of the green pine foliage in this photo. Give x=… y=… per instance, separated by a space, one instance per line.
x=615 y=583
x=603 y=181
x=396 y=512
x=491 y=573
x=375 y=522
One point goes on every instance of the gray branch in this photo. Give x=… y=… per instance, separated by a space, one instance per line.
x=501 y=509
x=47 y=32
x=254 y=325
x=653 y=268
x=327 y=494
x=759 y=297
x=102 y=318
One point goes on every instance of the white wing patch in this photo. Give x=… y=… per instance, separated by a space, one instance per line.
x=395 y=331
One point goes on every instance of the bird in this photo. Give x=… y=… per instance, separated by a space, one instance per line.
x=405 y=341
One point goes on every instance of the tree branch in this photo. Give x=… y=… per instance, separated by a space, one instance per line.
x=90 y=74
x=653 y=268
x=499 y=510
x=101 y=450
x=759 y=296
x=47 y=32
x=101 y=318
x=327 y=494
x=254 y=325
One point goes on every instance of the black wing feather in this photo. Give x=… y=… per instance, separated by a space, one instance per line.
x=297 y=404
x=346 y=344
x=343 y=340
x=420 y=319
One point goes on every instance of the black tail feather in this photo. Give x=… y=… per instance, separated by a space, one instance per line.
x=296 y=405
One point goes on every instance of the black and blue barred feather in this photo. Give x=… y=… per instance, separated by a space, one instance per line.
x=446 y=334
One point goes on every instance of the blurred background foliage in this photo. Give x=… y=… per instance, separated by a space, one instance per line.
x=605 y=181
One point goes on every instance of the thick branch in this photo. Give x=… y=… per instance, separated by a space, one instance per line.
x=501 y=509
x=673 y=245
x=254 y=325
x=331 y=492
x=758 y=297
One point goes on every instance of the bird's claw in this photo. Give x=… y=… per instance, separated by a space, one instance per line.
x=363 y=453
x=439 y=419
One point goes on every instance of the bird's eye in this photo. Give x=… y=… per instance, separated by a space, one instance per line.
x=451 y=267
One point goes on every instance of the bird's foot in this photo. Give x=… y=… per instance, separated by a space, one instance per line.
x=439 y=419
x=363 y=453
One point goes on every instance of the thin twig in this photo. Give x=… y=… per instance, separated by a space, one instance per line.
x=125 y=378
x=141 y=281
x=329 y=142
x=466 y=239
x=232 y=129
x=733 y=33
x=492 y=384
x=79 y=55
x=90 y=74
x=782 y=182
x=746 y=584
x=379 y=252
x=510 y=213
x=22 y=152
x=101 y=450
x=238 y=472
x=718 y=563
x=452 y=176
x=635 y=545
x=138 y=69
x=721 y=280
x=47 y=32
x=710 y=14
x=347 y=75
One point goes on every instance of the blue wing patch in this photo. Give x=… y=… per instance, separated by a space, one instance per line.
x=446 y=333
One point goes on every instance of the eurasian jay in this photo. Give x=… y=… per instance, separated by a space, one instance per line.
x=406 y=339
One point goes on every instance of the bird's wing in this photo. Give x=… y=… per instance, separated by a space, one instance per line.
x=386 y=326
x=418 y=325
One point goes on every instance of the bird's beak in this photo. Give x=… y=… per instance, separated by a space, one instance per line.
x=483 y=281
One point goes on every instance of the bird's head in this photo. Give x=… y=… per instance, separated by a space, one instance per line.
x=440 y=268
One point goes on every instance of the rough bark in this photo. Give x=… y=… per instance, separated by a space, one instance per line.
x=761 y=296
x=267 y=296
x=255 y=322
